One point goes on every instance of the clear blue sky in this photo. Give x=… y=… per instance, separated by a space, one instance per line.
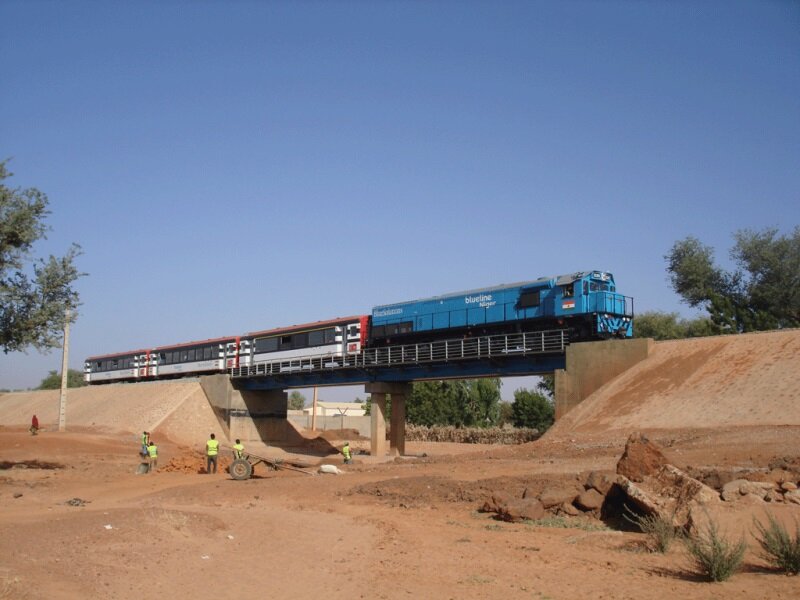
x=232 y=166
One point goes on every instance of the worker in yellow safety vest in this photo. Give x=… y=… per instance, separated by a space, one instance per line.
x=346 y=453
x=152 y=452
x=238 y=450
x=145 y=443
x=212 y=450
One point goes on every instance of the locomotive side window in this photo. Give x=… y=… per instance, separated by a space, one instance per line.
x=529 y=299
x=191 y=354
x=299 y=340
x=316 y=338
x=207 y=351
x=330 y=335
x=266 y=344
x=569 y=291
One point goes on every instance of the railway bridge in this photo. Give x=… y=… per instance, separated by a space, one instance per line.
x=251 y=401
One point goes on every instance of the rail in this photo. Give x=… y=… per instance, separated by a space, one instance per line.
x=487 y=347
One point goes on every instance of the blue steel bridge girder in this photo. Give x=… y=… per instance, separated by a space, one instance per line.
x=496 y=367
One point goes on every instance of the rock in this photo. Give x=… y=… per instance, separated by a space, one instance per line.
x=495 y=503
x=731 y=495
x=640 y=459
x=522 y=510
x=788 y=486
x=779 y=476
x=792 y=496
x=774 y=496
x=751 y=499
x=733 y=486
x=17 y=494
x=677 y=484
x=756 y=488
x=569 y=509
x=591 y=499
x=554 y=496
x=599 y=481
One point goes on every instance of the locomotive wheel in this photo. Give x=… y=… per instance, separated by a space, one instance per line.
x=241 y=469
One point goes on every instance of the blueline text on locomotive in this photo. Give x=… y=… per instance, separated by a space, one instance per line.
x=586 y=304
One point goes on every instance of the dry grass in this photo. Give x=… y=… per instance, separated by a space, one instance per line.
x=778 y=547
x=714 y=555
x=11 y=588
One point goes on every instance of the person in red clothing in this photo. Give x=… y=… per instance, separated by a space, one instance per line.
x=34 y=425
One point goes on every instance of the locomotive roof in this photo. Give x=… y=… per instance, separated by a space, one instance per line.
x=559 y=280
x=128 y=353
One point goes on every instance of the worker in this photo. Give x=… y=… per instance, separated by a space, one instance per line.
x=212 y=450
x=346 y=452
x=145 y=443
x=152 y=452
x=238 y=450
x=34 y=425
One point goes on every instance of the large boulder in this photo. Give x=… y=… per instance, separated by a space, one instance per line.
x=599 y=481
x=523 y=509
x=553 y=496
x=496 y=502
x=642 y=458
x=670 y=494
x=591 y=499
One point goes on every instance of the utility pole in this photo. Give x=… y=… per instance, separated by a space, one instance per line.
x=314 y=411
x=62 y=412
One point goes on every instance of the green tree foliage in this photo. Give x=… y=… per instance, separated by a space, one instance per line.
x=547 y=386
x=669 y=326
x=53 y=380
x=462 y=403
x=762 y=293
x=506 y=414
x=531 y=409
x=31 y=308
x=296 y=400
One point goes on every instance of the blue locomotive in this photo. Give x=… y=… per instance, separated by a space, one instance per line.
x=586 y=303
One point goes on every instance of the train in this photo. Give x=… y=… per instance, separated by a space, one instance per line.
x=585 y=303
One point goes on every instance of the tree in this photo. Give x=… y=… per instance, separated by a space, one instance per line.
x=531 y=409
x=32 y=310
x=547 y=386
x=53 y=380
x=669 y=326
x=296 y=400
x=463 y=403
x=506 y=414
x=762 y=293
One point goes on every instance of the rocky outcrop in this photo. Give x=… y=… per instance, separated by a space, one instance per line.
x=640 y=459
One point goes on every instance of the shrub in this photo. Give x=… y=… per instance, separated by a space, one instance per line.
x=715 y=556
x=778 y=547
x=659 y=530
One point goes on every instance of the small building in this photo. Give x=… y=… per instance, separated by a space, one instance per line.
x=336 y=409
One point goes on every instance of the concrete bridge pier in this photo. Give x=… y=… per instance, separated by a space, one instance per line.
x=397 y=441
x=590 y=365
x=249 y=415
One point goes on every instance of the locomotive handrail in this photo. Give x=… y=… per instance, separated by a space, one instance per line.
x=461 y=349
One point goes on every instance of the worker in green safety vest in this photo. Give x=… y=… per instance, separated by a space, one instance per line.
x=238 y=450
x=212 y=450
x=152 y=452
x=346 y=453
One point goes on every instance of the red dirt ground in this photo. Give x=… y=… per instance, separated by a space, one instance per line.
x=91 y=528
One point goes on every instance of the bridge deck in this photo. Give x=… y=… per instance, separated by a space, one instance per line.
x=500 y=355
